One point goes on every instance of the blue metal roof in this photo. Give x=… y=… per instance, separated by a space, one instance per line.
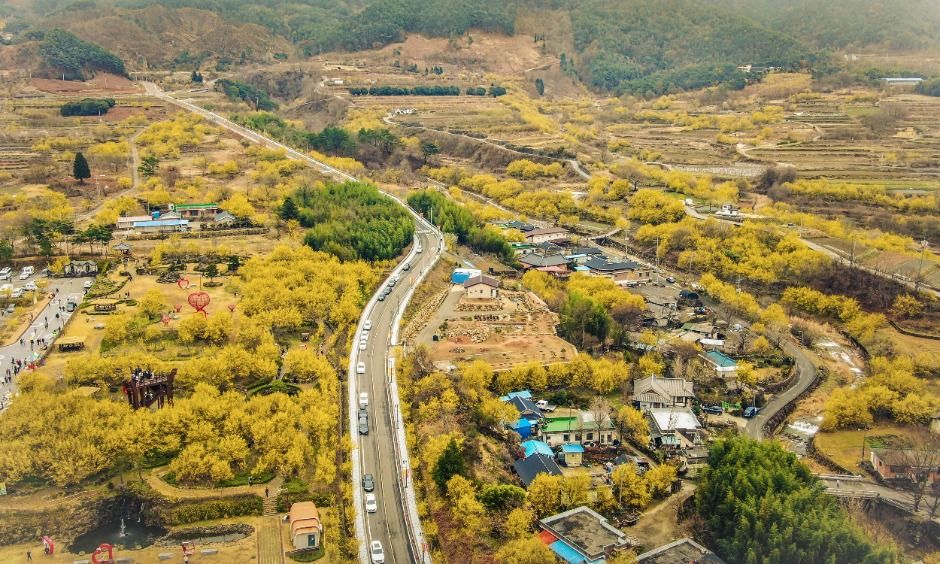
x=162 y=223
x=536 y=447
x=524 y=394
x=571 y=448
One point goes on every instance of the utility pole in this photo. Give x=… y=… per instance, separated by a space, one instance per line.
x=920 y=268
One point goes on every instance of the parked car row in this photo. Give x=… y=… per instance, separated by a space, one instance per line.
x=6 y=273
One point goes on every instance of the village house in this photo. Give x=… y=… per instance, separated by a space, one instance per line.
x=196 y=212
x=901 y=465
x=531 y=466
x=695 y=460
x=579 y=429
x=728 y=210
x=571 y=454
x=545 y=235
x=520 y=225
x=525 y=406
x=581 y=535
x=674 y=427
x=305 y=525
x=80 y=268
x=524 y=427
x=127 y=222
x=619 y=272
x=536 y=447
x=161 y=226
x=542 y=260
x=662 y=392
x=722 y=364
x=482 y=287
x=682 y=551
x=224 y=219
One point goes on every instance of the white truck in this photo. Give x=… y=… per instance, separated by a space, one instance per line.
x=545 y=406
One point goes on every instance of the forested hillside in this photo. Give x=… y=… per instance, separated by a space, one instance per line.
x=640 y=46
x=849 y=24
x=64 y=53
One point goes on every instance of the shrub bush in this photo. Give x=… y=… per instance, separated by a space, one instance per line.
x=192 y=512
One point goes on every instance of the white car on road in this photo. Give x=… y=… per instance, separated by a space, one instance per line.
x=361 y=368
x=362 y=345
x=378 y=555
x=30 y=287
x=367 y=326
x=371 y=504
x=364 y=399
x=17 y=293
x=88 y=284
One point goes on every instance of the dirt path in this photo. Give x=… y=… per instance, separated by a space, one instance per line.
x=173 y=492
x=270 y=545
x=659 y=525
x=135 y=178
x=45 y=499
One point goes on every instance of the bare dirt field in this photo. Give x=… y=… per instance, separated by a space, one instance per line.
x=486 y=52
x=99 y=84
x=515 y=329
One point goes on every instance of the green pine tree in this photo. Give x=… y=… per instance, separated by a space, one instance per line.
x=289 y=209
x=80 y=168
x=450 y=464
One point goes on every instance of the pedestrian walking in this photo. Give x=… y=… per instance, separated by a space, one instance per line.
x=265 y=492
x=29 y=556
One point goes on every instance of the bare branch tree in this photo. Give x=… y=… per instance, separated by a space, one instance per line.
x=922 y=467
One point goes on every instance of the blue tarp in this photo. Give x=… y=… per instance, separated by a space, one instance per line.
x=536 y=447
x=523 y=426
x=566 y=552
x=461 y=275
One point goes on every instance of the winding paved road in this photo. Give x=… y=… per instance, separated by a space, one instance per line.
x=383 y=452
x=806 y=375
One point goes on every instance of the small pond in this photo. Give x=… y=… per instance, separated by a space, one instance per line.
x=126 y=533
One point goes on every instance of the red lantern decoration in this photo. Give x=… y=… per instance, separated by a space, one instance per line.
x=178 y=307
x=231 y=308
x=183 y=283
x=199 y=301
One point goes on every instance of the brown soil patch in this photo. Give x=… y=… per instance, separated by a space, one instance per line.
x=487 y=53
x=101 y=83
x=503 y=352
x=515 y=329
